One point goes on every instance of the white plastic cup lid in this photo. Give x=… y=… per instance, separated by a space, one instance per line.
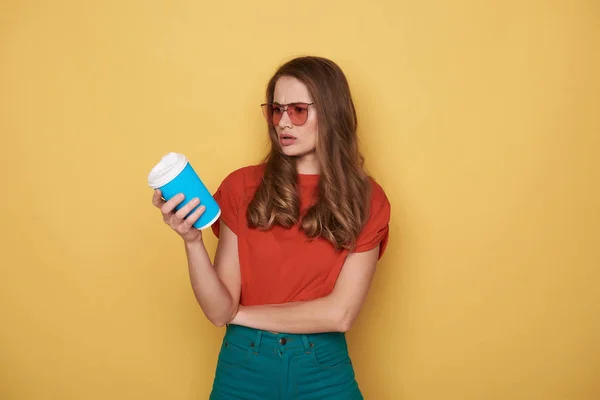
x=166 y=170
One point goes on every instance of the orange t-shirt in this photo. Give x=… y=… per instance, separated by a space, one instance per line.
x=282 y=265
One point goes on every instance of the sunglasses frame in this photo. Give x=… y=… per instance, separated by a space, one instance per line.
x=284 y=108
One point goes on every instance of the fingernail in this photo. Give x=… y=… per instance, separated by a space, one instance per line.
x=196 y=201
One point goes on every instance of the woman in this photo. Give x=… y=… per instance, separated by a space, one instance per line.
x=299 y=238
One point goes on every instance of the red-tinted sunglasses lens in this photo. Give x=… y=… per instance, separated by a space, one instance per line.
x=297 y=112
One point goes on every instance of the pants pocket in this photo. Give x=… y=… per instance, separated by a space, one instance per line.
x=331 y=356
x=326 y=373
x=232 y=355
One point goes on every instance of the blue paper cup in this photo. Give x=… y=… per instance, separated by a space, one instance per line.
x=174 y=175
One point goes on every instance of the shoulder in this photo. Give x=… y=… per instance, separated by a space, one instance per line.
x=379 y=199
x=233 y=195
x=245 y=177
x=376 y=229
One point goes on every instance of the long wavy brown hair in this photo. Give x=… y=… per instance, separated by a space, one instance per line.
x=341 y=208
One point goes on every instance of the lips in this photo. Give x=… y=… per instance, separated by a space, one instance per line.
x=287 y=136
x=285 y=139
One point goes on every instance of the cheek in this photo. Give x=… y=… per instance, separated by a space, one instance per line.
x=312 y=130
x=313 y=138
x=308 y=134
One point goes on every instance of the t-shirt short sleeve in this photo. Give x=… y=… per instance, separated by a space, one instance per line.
x=376 y=230
x=228 y=197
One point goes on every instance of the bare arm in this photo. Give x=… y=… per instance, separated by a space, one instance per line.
x=333 y=313
x=216 y=287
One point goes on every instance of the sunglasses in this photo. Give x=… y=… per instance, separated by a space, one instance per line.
x=297 y=112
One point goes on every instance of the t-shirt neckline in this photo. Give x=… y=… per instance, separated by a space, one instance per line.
x=308 y=179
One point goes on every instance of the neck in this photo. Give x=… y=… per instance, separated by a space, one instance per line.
x=307 y=164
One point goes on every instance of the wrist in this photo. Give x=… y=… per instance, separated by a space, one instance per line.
x=196 y=242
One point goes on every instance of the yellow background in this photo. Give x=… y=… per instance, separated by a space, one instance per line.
x=480 y=119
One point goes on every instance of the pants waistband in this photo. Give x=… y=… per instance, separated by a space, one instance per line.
x=254 y=339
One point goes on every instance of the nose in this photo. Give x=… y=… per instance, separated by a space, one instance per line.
x=285 y=121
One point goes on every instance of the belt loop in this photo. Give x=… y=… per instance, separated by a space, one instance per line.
x=256 y=344
x=306 y=344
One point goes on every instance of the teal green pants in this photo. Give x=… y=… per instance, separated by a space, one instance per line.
x=258 y=365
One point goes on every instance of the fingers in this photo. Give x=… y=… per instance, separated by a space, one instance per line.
x=157 y=199
x=170 y=205
x=177 y=219
x=185 y=210
x=191 y=220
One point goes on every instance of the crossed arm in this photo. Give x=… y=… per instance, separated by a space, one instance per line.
x=333 y=313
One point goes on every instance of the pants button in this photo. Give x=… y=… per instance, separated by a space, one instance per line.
x=282 y=341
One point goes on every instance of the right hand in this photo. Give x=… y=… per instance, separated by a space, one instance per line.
x=176 y=219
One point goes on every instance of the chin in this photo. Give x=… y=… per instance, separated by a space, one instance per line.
x=290 y=151
x=297 y=152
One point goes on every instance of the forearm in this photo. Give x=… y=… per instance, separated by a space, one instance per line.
x=314 y=316
x=210 y=292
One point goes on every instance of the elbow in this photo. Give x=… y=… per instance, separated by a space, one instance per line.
x=344 y=326
x=219 y=323
x=224 y=319
x=344 y=321
x=342 y=315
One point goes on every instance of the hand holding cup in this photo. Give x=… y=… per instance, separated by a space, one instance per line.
x=185 y=203
x=176 y=219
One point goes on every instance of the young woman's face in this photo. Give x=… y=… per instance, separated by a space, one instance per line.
x=297 y=133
